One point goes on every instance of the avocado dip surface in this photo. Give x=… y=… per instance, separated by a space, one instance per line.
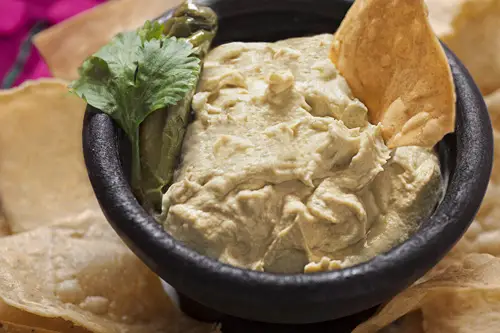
x=281 y=170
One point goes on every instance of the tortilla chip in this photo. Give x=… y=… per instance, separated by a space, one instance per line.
x=6 y=327
x=66 y=45
x=389 y=55
x=475 y=40
x=472 y=310
x=79 y=271
x=483 y=236
x=442 y=14
x=4 y=226
x=42 y=174
x=10 y=315
x=477 y=276
x=410 y=323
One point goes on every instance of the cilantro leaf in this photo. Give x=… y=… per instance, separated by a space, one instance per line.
x=145 y=80
x=151 y=30
x=132 y=77
x=129 y=79
x=178 y=77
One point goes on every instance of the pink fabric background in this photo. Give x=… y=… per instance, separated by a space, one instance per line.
x=17 y=17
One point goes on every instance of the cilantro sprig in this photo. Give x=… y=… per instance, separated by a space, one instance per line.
x=145 y=80
x=130 y=77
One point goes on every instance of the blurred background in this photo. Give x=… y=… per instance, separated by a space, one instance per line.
x=20 y=20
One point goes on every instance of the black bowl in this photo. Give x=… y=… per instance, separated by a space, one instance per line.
x=466 y=158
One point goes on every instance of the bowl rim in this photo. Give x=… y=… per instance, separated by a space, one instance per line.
x=368 y=280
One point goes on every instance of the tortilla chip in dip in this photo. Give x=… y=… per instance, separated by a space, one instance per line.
x=80 y=272
x=394 y=64
x=42 y=174
x=65 y=46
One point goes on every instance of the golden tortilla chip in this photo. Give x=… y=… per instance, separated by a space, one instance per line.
x=475 y=40
x=66 y=45
x=42 y=174
x=389 y=55
x=440 y=297
x=79 y=271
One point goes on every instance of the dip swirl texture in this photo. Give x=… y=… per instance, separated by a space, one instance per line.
x=281 y=170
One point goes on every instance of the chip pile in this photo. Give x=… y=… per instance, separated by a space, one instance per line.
x=62 y=268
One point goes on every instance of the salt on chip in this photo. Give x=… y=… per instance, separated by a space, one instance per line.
x=438 y=297
x=42 y=173
x=393 y=62
x=80 y=272
x=65 y=46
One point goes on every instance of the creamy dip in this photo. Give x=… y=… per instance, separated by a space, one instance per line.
x=281 y=170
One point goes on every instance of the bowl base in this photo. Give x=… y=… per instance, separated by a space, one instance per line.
x=238 y=325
